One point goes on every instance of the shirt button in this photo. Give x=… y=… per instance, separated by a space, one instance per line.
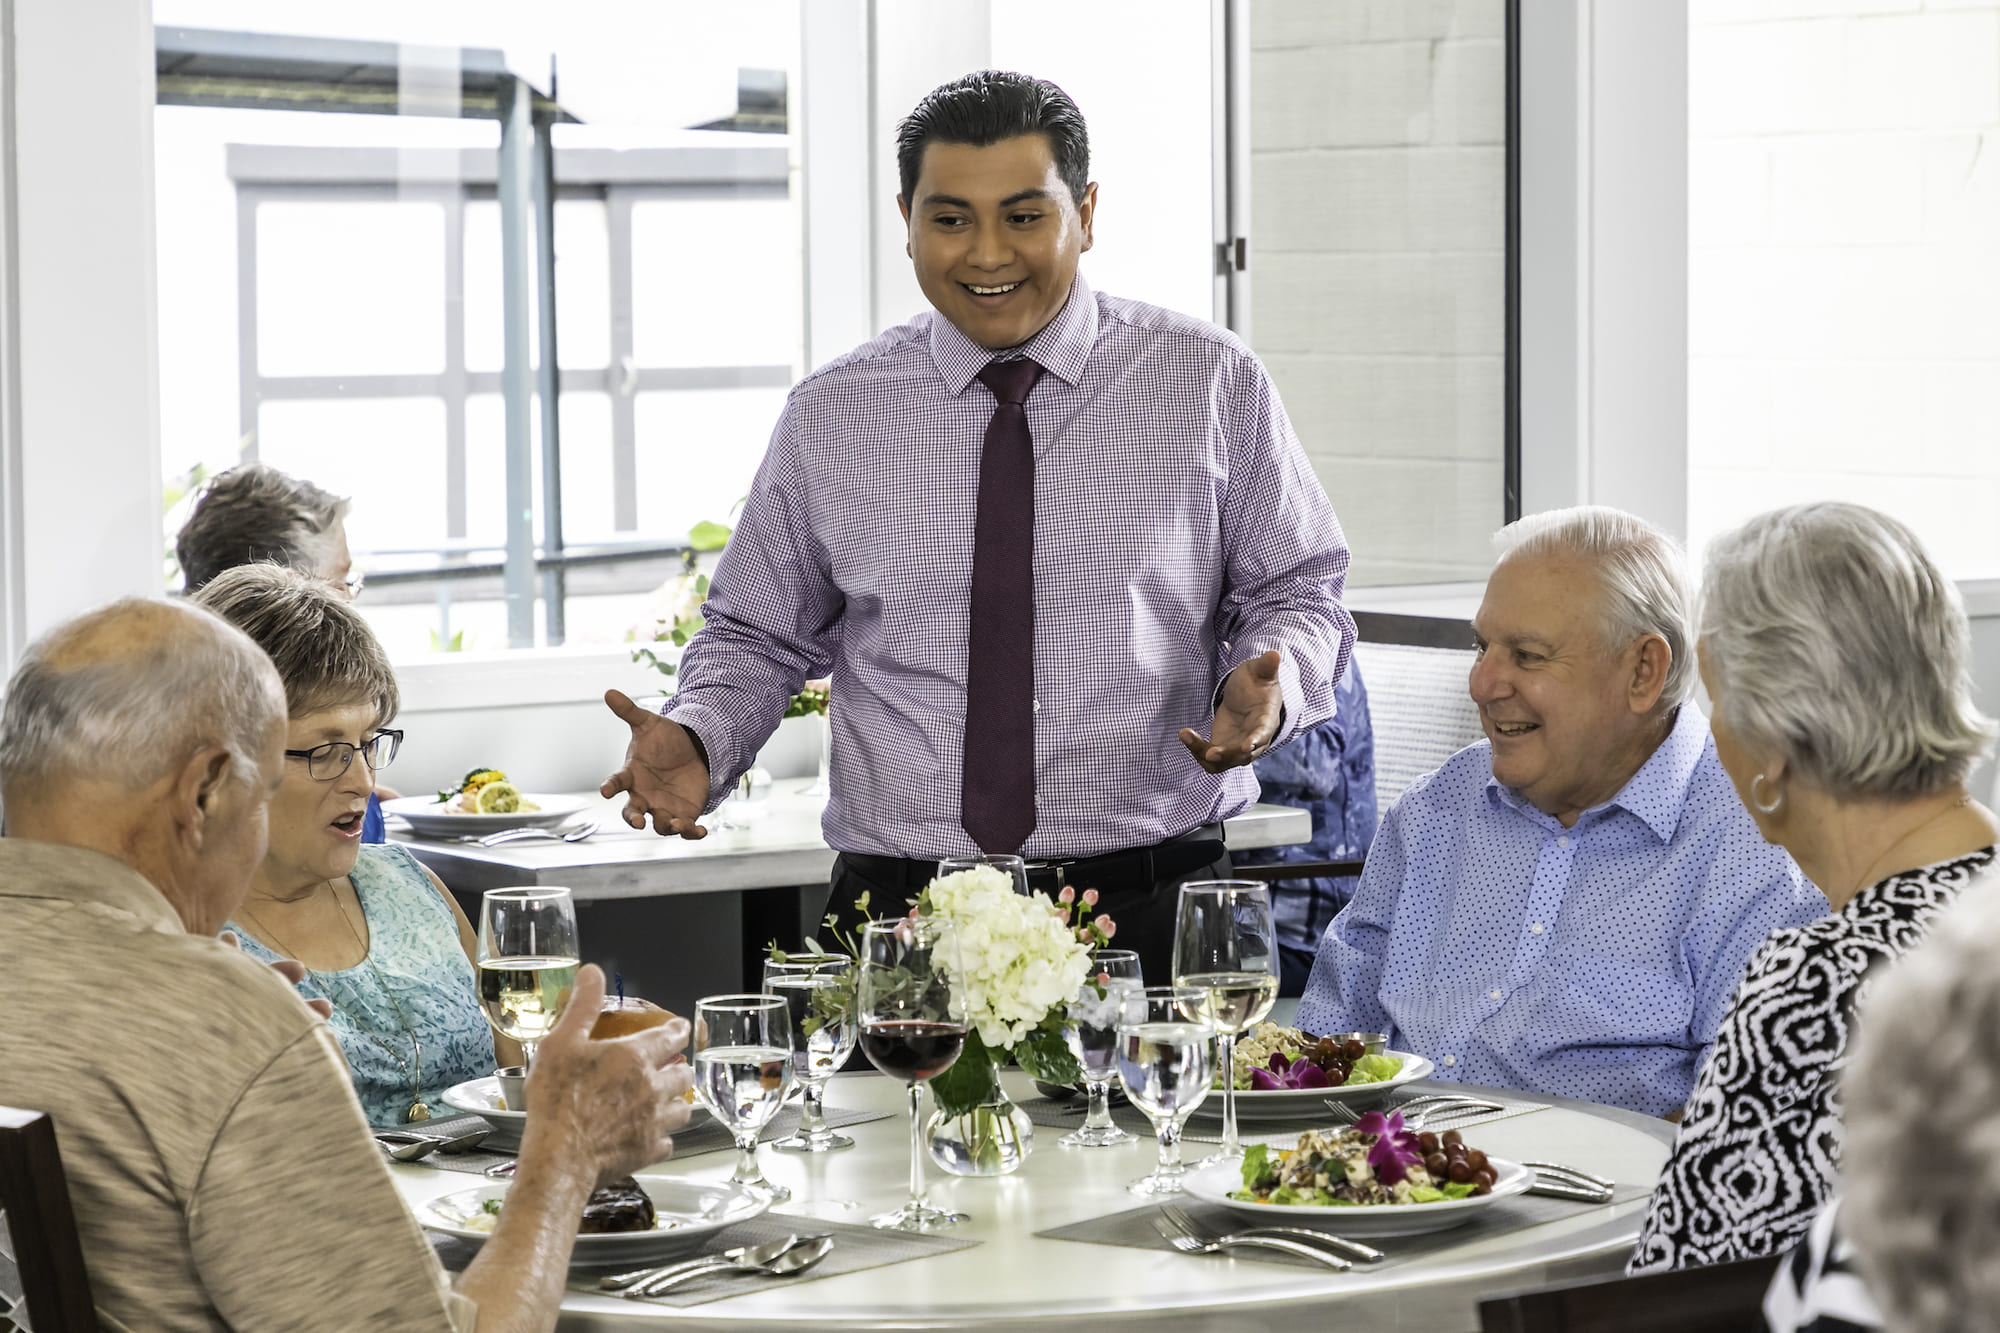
x=1038 y=705
x=1449 y=1061
x=1535 y=929
x=1562 y=842
x=1494 y=994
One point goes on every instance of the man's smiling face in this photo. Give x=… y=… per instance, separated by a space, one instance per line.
x=995 y=236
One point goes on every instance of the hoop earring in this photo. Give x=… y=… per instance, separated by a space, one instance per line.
x=1756 y=802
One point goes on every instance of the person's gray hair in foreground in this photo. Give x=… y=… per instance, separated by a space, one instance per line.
x=219 y=1166
x=1842 y=650
x=1642 y=571
x=1921 y=1167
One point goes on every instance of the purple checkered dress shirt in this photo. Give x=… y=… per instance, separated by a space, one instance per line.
x=1178 y=532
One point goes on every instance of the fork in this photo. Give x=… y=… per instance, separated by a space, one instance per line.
x=1569 y=1182
x=1437 y=1104
x=1367 y=1254
x=1187 y=1244
x=568 y=833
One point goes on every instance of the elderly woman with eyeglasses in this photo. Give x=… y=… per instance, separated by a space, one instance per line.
x=1837 y=661
x=380 y=938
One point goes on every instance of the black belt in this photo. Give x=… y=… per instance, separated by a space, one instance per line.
x=1134 y=868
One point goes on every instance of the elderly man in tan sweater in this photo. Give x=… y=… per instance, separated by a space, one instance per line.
x=219 y=1165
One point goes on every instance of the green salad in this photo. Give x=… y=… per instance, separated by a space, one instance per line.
x=1274 y=1058
x=1345 y=1168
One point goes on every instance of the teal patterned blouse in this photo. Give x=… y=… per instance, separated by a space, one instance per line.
x=414 y=946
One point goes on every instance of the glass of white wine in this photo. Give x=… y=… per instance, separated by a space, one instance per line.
x=527 y=962
x=1226 y=947
x=742 y=1072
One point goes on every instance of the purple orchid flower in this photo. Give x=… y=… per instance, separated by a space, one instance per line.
x=1395 y=1147
x=1287 y=1074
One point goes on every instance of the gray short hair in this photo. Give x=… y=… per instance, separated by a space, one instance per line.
x=1641 y=570
x=325 y=652
x=1837 y=644
x=132 y=690
x=252 y=514
x=1921 y=1181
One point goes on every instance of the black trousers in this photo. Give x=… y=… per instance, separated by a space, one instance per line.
x=1137 y=889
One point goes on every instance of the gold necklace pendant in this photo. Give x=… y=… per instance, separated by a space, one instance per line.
x=418 y=1112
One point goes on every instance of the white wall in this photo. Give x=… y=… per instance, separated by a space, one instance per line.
x=82 y=223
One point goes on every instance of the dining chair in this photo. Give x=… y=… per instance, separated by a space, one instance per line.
x=43 y=1282
x=1724 y=1298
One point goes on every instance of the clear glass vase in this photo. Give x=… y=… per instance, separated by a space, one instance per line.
x=993 y=1139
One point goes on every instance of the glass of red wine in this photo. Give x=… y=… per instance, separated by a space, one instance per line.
x=912 y=1028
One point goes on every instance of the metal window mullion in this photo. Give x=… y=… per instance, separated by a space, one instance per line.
x=621 y=378
x=548 y=383
x=517 y=276
x=454 y=386
x=247 y=385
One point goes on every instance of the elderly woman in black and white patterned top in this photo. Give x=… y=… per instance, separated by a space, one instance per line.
x=1836 y=658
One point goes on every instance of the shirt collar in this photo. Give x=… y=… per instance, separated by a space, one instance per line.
x=76 y=874
x=1061 y=348
x=1656 y=794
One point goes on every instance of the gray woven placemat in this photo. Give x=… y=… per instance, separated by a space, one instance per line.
x=856 y=1246
x=1134 y=1228
x=707 y=1136
x=1069 y=1114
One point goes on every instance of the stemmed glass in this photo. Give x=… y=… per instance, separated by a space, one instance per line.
x=1012 y=866
x=1092 y=1034
x=1164 y=1063
x=1226 y=946
x=527 y=962
x=819 y=992
x=742 y=1072
x=912 y=1029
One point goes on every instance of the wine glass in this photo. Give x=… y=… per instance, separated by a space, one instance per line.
x=1226 y=946
x=912 y=1029
x=819 y=992
x=1011 y=866
x=1092 y=1034
x=527 y=962
x=742 y=1072
x=1164 y=1063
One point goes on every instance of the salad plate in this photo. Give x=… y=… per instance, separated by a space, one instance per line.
x=689 y=1212
x=429 y=817
x=481 y=1096
x=1310 y=1103
x=1215 y=1184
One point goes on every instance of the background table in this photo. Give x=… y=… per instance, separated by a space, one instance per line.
x=683 y=919
x=1019 y=1282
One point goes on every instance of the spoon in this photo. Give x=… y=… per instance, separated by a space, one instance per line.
x=801 y=1254
x=577 y=834
x=452 y=1143
x=408 y=1152
x=752 y=1258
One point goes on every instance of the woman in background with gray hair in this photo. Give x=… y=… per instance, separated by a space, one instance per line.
x=1836 y=657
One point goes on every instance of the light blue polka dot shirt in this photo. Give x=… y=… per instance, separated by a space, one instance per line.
x=1592 y=962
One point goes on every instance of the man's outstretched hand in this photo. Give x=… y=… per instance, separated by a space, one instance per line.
x=663 y=775
x=1246 y=720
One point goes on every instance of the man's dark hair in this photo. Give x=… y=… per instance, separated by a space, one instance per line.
x=256 y=514
x=982 y=109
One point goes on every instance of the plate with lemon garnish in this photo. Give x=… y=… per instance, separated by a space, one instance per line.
x=486 y=801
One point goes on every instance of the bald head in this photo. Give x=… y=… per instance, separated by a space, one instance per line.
x=127 y=693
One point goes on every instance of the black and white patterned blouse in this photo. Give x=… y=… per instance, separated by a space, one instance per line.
x=1755 y=1157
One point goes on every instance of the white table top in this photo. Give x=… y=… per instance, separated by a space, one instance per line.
x=1019 y=1282
x=781 y=847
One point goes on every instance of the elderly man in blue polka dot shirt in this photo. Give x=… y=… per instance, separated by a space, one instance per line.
x=1566 y=907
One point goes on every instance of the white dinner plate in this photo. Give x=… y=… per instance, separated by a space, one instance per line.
x=1297 y=1103
x=689 y=1212
x=1214 y=1184
x=430 y=818
x=482 y=1097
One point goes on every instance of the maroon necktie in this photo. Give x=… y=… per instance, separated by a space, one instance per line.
x=997 y=798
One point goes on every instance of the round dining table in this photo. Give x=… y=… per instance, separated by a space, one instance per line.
x=1015 y=1280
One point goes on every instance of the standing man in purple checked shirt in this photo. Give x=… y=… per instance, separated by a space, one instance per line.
x=1041 y=538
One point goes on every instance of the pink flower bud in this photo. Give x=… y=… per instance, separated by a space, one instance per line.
x=1107 y=926
x=1090 y=897
x=1104 y=978
x=1068 y=895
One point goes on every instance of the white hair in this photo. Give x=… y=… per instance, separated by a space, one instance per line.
x=128 y=692
x=1641 y=571
x=1920 y=1166
x=1837 y=644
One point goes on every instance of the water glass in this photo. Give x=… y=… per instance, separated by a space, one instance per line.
x=743 y=1071
x=1164 y=1063
x=913 y=1028
x=819 y=993
x=1226 y=946
x=1011 y=866
x=527 y=959
x=1092 y=1034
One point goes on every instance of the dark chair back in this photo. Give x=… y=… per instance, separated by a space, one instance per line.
x=1725 y=1298
x=42 y=1278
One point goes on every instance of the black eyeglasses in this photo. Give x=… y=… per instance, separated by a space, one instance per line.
x=327 y=762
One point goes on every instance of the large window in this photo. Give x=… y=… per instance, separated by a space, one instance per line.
x=1844 y=275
